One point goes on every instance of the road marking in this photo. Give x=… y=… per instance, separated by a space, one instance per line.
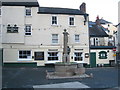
x=63 y=85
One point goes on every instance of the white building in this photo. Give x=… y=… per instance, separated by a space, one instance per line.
x=118 y=36
x=34 y=35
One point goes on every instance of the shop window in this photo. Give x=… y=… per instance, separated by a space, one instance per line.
x=52 y=56
x=25 y=55
x=39 y=55
x=102 y=55
x=78 y=56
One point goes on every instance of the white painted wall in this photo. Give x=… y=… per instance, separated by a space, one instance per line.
x=13 y=15
x=119 y=26
x=104 y=61
x=42 y=31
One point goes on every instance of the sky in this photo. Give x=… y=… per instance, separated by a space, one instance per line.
x=106 y=9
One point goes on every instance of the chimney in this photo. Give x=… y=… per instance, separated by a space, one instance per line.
x=97 y=21
x=83 y=7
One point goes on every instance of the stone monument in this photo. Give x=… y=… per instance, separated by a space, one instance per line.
x=67 y=69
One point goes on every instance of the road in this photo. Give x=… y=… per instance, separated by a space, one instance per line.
x=27 y=77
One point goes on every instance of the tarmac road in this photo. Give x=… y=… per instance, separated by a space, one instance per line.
x=27 y=77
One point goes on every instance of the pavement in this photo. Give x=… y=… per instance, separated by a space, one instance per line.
x=63 y=85
x=28 y=77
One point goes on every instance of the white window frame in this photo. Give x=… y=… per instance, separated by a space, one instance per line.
x=26 y=32
x=54 y=38
x=53 y=56
x=72 y=21
x=29 y=8
x=25 y=59
x=79 y=56
x=77 y=40
x=55 y=20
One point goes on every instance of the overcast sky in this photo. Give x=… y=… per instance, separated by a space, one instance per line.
x=108 y=9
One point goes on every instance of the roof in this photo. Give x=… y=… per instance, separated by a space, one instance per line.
x=102 y=21
x=18 y=0
x=97 y=31
x=27 y=3
x=54 y=10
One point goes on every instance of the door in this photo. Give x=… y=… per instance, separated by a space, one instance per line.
x=93 y=59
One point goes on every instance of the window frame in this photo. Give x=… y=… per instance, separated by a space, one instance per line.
x=25 y=59
x=103 y=53
x=54 y=20
x=52 y=56
x=28 y=8
x=77 y=38
x=69 y=21
x=53 y=39
x=82 y=56
x=28 y=25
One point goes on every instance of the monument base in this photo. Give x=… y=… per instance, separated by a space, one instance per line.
x=67 y=70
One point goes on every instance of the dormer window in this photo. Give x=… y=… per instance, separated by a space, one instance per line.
x=54 y=20
x=12 y=29
x=28 y=11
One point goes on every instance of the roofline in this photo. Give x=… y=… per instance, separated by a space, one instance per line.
x=99 y=35
x=102 y=47
x=60 y=13
x=31 y=4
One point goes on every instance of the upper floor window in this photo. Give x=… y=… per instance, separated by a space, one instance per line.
x=54 y=38
x=77 y=38
x=28 y=30
x=12 y=29
x=71 y=21
x=28 y=11
x=54 y=20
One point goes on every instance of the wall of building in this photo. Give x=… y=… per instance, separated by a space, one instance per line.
x=13 y=15
x=119 y=26
x=110 y=56
x=41 y=38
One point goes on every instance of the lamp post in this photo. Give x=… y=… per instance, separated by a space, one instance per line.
x=65 y=49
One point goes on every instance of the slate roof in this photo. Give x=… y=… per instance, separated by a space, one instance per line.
x=102 y=21
x=54 y=10
x=97 y=31
x=27 y=4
